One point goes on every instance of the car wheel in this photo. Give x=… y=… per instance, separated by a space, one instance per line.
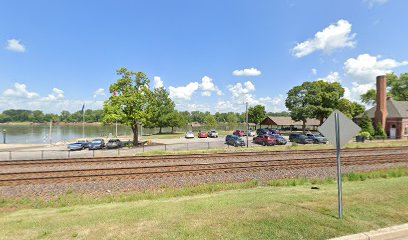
x=264 y=143
x=235 y=145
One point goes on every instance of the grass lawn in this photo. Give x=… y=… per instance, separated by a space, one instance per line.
x=258 y=212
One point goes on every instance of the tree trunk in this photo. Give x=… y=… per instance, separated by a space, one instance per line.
x=304 y=126
x=160 y=130
x=135 y=131
x=172 y=129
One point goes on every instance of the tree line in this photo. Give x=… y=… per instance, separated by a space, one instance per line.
x=37 y=116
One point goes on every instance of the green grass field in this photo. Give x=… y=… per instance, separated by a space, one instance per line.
x=246 y=211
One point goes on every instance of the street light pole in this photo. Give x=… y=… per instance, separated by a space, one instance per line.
x=247 y=123
x=4 y=136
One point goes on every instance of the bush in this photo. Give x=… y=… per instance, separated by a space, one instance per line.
x=367 y=135
x=379 y=131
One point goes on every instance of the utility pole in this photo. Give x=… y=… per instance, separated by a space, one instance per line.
x=51 y=132
x=116 y=127
x=247 y=123
x=4 y=136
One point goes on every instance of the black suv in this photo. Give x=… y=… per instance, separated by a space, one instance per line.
x=234 y=140
x=262 y=131
x=293 y=136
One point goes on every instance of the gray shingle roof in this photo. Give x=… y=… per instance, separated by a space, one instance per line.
x=395 y=109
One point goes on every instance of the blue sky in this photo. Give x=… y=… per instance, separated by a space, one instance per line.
x=57 y=55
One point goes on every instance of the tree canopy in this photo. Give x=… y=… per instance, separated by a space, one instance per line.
x=131 y=102
x=256 y=114
x=397 y=89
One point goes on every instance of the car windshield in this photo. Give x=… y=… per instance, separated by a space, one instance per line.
x=97 y=141
x=317 y=135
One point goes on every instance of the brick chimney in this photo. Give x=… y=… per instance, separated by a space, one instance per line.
x=381 y=110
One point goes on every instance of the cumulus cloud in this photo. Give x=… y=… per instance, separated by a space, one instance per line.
x=208 y=87
x=338 y=35
x=20 y=91
x=184 y=92
x=314 y=71
x=158 y=83
x=239 y=89
x=15 y=45
x=99 y=92
x=365 y=67
x=19 y=97
x=247 y=72
x=332 y=77
x=372 y=3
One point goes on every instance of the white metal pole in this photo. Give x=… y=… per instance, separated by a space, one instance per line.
x=83 y=123
x=339 y=183
x=116 y=127
x=247 y=124
x=51 y=132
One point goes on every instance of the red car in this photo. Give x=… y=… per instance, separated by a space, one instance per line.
x=202 y=135
x=265 y=140
x=239 y=133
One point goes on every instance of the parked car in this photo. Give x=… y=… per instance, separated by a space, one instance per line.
x=262 y=131
x=76 y=146
x=265 y=140
x=202 y=134
x=239 y=133
x=317 y=138
x=303 y=139
x=213 y=134
x=189 y=134
x=96 y=144
x=293 y=136
x=234 y=140
x=281 y=140
x=251 y=133
x=114 y=143
x=273 y=131
x=85 y=143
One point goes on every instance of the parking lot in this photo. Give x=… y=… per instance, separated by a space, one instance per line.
x=159 y=145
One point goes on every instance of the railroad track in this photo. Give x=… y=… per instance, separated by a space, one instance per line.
x=106 y=174
x=179 y=158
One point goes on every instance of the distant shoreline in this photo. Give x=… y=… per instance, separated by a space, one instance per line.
x=46 y=124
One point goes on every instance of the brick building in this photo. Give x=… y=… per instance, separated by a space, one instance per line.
x=393 y=115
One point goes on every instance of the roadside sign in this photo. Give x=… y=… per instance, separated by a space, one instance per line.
x=348 y=129
x=339 y=130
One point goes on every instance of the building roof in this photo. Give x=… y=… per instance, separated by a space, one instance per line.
x=395 y=109
x=287 y=121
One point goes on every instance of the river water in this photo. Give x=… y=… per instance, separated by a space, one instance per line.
x=40 y=134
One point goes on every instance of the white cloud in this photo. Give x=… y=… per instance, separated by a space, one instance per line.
x=185 y=92
x=208 y=86
x=15 y=45
x=365 y=67
x=21 y=98
x=158 y=83
x=335 y=36
x=57 y=94
x=20 y=91
x=314 y=71
x=332 y=77
x=372 y=3
x=247 y=72
x=245 y=93
x=99 y=92
x=242 y=90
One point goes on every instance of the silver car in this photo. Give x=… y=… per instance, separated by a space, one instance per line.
x=189 y=134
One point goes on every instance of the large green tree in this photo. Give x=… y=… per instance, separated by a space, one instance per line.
x=130 y=102
x=366 y=125
x=256 y=114
x=163 y=105
x=176 y=119
x=210 y=121
x=397 y=89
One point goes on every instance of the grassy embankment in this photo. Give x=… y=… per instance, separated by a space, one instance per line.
x=234 y=211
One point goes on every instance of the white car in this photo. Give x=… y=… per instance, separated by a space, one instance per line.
x=251 y=133
x=212 y=134
x=189 y=134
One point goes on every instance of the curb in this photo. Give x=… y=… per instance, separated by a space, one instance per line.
x=389 y=233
